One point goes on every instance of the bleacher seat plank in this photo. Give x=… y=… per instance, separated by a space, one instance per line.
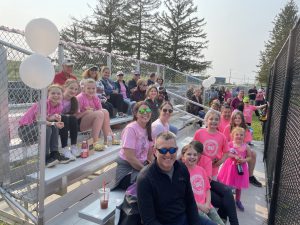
x=95 y=214
x=62 y=170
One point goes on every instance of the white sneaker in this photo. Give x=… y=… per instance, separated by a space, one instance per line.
x=67 y=153
x=75 y=151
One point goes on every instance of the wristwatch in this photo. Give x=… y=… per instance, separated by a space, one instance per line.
x=52 y=123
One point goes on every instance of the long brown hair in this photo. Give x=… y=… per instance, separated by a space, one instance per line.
x=74 y=102
x=148 y=125
x=243 y=123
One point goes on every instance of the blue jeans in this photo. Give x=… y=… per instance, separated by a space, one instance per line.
x=130 y=105
x=173 y=129
x=182 y=220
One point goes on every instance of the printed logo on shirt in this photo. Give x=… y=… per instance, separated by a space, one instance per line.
x=197 y=183
x=210 y=147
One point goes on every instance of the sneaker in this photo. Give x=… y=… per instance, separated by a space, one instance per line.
x=67 y=153
x=50 y=162
x=254 y=181
x=240 y=206
x=250 y=144
x=75 y=151
x=59 y=157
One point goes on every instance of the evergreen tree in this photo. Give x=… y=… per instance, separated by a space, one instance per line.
x=138 y=30
x=283 y=23
x=102 y=29
x=183 y=36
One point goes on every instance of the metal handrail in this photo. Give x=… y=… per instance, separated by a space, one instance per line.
x=190 y=101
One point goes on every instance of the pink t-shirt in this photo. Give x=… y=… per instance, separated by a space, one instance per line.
x=31 y=115
x=223 y=123
x=248 y=136
x=135 y=137
x=200 y=184
x=157 y=127
x=227 y=95
x=248 y=111
x=206 y=163
x=214 y=145
x=86 y=102
x=123 y=90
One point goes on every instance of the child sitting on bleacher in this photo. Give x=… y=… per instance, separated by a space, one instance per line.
x=92 y=115
x=70 y=109
x=191 y=154
x=92 y=71
x=29 y=131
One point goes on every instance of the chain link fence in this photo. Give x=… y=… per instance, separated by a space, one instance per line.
x=19 y=159
x=282 y=134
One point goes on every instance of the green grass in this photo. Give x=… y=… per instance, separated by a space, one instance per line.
x=3 y=223
x=256 y=125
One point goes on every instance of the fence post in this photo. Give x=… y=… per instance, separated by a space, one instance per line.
x=42 y=157
x=108 y=61
x=4 y=122
x=164 y=75
x=60 y=56
x=158 y=70
x=282 y=126
x=138 y=66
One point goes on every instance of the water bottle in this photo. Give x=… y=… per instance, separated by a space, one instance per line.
x=109 y=140
x=85 y=149
x=240 y=169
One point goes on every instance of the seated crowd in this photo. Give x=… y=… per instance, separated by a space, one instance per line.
x=170 y=190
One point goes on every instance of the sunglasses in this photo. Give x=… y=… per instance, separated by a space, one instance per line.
x=166 y=150
x=167 y=110
x=94 y=69
x=143 y=110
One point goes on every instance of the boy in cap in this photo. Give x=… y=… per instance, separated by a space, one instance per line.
x=66 y=73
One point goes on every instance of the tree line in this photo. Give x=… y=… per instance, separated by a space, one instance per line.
x=283 y=23
x=165 y=32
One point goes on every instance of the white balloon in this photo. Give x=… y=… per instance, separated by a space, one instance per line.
x=42 y=36
x=206 y=83
x=36 y=71
x=212 y=80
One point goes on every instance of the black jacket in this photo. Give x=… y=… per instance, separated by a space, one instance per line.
x=118 y=86
x=162 y=200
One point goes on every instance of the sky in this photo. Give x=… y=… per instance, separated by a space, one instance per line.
x=236 y=29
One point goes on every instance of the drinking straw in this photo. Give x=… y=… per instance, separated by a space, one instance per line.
x=103 y=185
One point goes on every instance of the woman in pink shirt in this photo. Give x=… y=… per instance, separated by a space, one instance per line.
x=124 y=90
x=137 y=145
x=91 y=115
x=191 y=154
x=29 y=132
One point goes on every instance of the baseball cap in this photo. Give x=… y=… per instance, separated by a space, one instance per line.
x=91 y=66
x=246 y=99
x=120 y=73
x=136 y=72
x=68 y=62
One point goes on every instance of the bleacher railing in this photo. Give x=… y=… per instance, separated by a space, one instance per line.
x=282 y=134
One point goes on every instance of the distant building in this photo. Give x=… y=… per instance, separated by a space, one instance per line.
x=220 y=80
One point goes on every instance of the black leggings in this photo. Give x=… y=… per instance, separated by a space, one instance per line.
x=117 y=101
x=70 y=124
x=222 y=198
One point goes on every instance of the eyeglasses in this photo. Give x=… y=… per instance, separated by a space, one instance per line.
x=167 y=110
x=120 y=75
x=143 y=110
x=166 y=150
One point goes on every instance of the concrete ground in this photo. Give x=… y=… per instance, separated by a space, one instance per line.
x=254 y=198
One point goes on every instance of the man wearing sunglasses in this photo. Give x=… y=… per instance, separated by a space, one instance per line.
x=164 y=192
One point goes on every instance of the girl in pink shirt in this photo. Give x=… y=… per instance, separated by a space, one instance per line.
x=214 y=142
x=238 y=120
x=70 y=109
x=29 y=132
x=249 y=109
x=91 y=115
x=234 y=171
x=191 y=154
